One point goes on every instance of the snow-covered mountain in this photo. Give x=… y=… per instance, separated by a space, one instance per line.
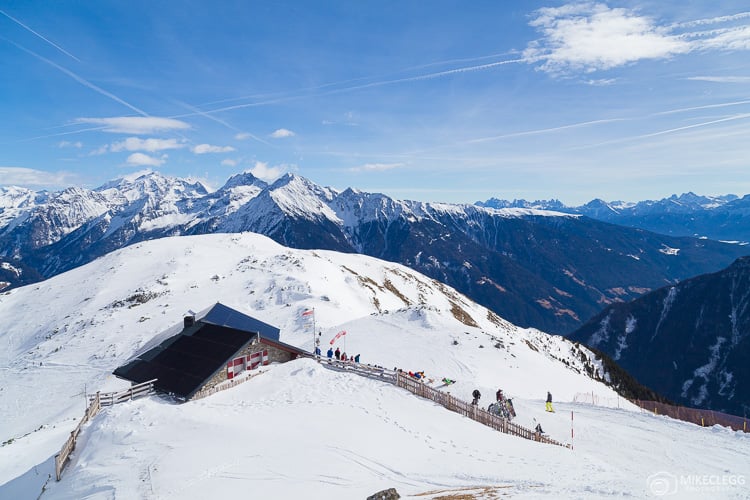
x=535 y=267
x=299 y=428
x=690 y=341
x=725 y=217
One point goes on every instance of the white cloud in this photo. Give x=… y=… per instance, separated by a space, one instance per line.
x=375 y=167
x=713 y=20
x=601 y=82
x=262 y=171
x=589 y=37
x=722 y=79
x=242 y=136
x=229 y=163
x=202 y=149
x=140 y=125
x=150 y=145
x=20 y=176
x=281 y=133
x=68 y=144
x=728 y=39
x=141 y=159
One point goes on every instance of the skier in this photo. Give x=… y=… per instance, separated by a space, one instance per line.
x=448 y=381
x=548 y=406
x=337 y=353
x=476 y=394
x=330 y=353
x=499 y=395
x=509 y=407
x=317 y=351
x=356 y=358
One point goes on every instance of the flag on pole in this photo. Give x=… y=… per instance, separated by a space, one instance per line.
x=338 y=335
x=308 y=312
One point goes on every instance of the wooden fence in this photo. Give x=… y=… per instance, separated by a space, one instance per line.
x=442 y=398
x=133 y=392
x=704 y=418
x=61 y=459
x=96 y=402
x=471 y=411
x=369 y=371
x=224 y=386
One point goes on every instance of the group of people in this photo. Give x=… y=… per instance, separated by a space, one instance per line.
x=420 y=375
x=500 y=398
x=341 y=356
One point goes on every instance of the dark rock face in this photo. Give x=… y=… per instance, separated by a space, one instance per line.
x=689 y=342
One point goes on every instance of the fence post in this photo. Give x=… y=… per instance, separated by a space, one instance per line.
x=58 y=472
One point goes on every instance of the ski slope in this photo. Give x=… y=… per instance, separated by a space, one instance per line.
x=299 y=429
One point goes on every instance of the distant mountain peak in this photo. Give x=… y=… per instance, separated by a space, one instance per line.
x=245 y=178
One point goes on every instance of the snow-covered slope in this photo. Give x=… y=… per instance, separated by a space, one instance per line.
x=299 y=428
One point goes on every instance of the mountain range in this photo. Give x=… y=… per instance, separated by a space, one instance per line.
x=689 y=341
x=725 y=218
x=539 y=268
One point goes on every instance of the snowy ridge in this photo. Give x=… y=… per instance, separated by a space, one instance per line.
x=477 y=250
x=65 y=335
x=150 y=201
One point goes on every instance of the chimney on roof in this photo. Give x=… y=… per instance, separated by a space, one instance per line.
x=189 y=321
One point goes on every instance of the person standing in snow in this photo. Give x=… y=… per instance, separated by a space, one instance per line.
x=343 y=357
x=330 y=353
x=476 y=395
x=499 y=395
x=548 y=406
x=337 y=353
x=356 y=358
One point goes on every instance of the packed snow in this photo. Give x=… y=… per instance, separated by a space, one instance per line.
x=298 y=429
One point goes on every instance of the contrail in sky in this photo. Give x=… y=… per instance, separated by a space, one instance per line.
x=198 y=112
x=273 y=97
x=40 y=36
x=381 y=83
x=544 y=130
x=707 y=106
x=80 y=80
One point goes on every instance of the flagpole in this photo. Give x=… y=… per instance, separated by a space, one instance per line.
x=314 y=337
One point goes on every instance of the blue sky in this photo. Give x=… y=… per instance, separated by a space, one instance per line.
x=435 y=101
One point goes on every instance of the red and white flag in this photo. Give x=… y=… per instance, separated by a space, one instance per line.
x=338 y=336
x=308 y=312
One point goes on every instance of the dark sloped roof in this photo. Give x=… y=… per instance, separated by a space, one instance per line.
x=183 y=359
x=184 y=362
x=222 y=315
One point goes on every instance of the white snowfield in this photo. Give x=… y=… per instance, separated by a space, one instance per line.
x=299 y=429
